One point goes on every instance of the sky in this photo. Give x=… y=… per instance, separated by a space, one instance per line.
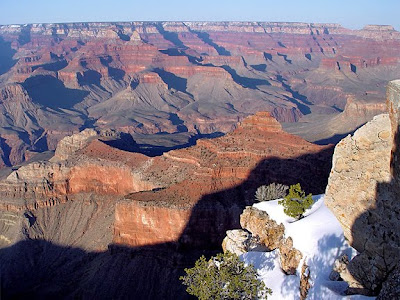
x=353 y=14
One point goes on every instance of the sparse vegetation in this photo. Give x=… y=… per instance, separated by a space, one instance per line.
x=224 y=277
x=296 y=202
x=271 y=192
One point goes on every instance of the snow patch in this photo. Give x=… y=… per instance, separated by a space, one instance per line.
x=320 y=239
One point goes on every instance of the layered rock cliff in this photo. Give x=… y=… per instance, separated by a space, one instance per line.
x=197 y=77
x=198 y=182
x=70 y=217
x=217 y=178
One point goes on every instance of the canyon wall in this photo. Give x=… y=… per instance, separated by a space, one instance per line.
x=121 y=224
x=220 y=178
x=178 y=77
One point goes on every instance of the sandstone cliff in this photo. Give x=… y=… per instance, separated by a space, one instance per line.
x=216 y=178
x=363 y=193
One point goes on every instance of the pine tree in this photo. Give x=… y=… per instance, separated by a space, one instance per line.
x=224 y=277
x=296 y=202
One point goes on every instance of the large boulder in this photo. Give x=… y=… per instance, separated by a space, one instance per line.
x=363 y=192
x=260 y=224
x=360 y=163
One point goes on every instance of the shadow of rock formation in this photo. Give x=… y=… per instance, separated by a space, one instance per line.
x=376 y=232
x=40 y=269
x=51 y=92
x=6 y=56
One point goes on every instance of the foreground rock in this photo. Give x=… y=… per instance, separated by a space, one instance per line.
x=360 y=163
x=267 y=233
x=237 y=241
x=363 y=192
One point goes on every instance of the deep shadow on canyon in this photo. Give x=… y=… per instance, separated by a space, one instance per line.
x=38 y=269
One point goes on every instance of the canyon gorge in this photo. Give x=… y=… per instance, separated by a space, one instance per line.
x=185 y=80
x=128 y=149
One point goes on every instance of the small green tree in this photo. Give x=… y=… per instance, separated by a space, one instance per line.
x=296 y=202
x=271 y=192
x=224 y=277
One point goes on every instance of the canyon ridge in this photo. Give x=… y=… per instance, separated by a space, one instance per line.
x=185 y=80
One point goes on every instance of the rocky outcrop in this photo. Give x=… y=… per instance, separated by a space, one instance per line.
x=237 y=241
x=305 y=283
x=360 y=163
x=363 y=193
x=261 y=233
x=341 y=272
x=358 y=109
x=260 y=224
x=83 y=163
x=271 y=235
x=70 y=144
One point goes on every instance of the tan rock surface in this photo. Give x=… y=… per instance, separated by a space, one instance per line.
x=70 y=144
x=360 y=163
x=272 y=235
x=363 y=192
x=236 y=241
x=260 y=224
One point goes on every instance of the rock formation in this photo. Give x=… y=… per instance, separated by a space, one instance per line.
x=359 y=164
x=178 y=77
x=272 y=236
x=209 y=175
x=179 y=205
x=237 y=241
x=363 y=192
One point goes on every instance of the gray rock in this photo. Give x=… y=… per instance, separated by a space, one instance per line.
x=391 y=287
x=236 y=241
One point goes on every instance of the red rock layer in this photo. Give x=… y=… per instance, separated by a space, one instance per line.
x=209 y=168
x=237 y=68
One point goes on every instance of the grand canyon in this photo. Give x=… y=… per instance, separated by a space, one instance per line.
x=128 y=149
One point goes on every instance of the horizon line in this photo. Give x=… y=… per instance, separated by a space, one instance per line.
x=199 y=21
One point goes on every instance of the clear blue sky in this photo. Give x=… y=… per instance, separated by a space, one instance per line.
x=349 y=13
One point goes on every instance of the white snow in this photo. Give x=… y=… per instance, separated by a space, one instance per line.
x=320 y=239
